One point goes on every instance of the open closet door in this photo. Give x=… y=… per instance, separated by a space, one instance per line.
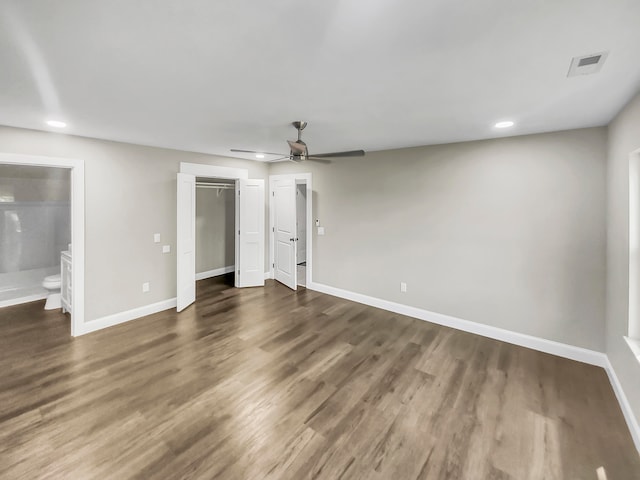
x=186 y=241
x=285 y=235
x=250 y=238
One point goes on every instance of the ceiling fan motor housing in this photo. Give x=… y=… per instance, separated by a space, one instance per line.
x=298 y=147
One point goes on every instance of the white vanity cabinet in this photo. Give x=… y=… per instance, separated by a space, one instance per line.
x=65 y=281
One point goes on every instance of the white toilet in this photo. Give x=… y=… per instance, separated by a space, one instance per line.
x=54 y=298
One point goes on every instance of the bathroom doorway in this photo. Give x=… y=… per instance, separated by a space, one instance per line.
x=28 y=212
x=35 y=228
x=215 y=227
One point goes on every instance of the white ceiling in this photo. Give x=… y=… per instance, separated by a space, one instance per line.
x=207 y=76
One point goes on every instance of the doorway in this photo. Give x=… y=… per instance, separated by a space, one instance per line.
x=290 y=208
x=215 y=226
x=74 y=267
x=35 y=230
x=248 y=227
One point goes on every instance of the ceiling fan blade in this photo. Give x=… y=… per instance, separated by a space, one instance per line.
x=254 y=151
x=350 y=153
x=297 y=147
x=278 y=159
x=318 y=160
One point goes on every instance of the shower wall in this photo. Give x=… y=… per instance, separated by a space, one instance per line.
x=35 y=218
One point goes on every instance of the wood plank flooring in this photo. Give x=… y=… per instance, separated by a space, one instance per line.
x=267 y=383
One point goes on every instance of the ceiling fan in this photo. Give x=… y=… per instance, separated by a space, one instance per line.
x=299 y=153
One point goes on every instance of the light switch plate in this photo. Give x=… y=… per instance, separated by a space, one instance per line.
x=145 y=287
x=156 y=238
x=320 y=230
x=166 y=248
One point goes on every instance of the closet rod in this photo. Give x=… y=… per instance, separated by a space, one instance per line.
x=224 y=186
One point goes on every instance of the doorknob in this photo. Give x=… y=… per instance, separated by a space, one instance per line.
x=292 y=239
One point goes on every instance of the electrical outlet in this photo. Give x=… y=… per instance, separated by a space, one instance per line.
x=156 y=238
x=403 y=287
x=166 y=248
x=320 y=230
x=145 y=287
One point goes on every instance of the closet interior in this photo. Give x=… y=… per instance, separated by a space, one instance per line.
x=215 y=226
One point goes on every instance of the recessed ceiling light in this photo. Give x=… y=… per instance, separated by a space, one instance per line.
x=505 y=124
x=56 y=123
x=259 y=155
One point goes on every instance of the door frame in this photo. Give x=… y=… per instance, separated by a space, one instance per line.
x=300 y=178
x=77 y=226
x=212 y=171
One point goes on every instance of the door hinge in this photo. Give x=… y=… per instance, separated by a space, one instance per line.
x=273 y=229
x=238 y=232
x=238 y=272
x=274 y=265
x=273 y=194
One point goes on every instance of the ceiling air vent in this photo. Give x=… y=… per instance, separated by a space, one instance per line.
x=587 y=64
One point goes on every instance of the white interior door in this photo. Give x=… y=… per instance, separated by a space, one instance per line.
x=186 y=241
x=250 y=237
x=284 y=202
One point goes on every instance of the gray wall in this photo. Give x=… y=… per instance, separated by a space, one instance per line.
x=130 y=194
x=215 y=224
x=624 y=138
x=507 y=232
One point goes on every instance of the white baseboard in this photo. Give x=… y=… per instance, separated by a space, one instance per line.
x=548 y=346
x=215 y=272
x=126 y=316
x=267 y=275
x=632 y=422
x=27 y=299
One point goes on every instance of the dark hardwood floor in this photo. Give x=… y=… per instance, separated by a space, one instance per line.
x=267 y=383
